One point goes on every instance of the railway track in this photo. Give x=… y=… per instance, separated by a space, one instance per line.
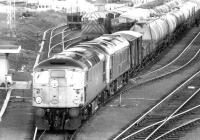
x=183 y=60
x=62 y=37
x=176 y=110
x=56 y=40
x=43 y=46
x=55 y=135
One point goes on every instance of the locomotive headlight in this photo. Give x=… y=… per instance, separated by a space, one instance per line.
x=54 y=83
x=74 y=112
x=40 y=112
x=38 y=100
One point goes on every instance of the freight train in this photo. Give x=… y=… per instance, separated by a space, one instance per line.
x=122 y=18
x=74 y=18
x=70 y=86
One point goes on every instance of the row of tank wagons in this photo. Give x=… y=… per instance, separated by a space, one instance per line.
x=95 y=24
x=167 y=27
x=141 y=14
x=121 y=18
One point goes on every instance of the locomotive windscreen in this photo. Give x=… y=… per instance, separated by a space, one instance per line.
x=59 y=62
x=56 y=62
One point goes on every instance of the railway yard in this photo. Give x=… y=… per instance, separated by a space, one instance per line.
x=100 y=82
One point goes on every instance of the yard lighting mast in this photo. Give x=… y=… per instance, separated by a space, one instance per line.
x=11 y=17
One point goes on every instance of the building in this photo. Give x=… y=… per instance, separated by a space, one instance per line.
x=69 y=6
x=5 y=50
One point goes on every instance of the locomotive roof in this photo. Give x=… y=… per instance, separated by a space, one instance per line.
x=60 y=62
x=110 y=43
x=129 y=35
x=93 y=45
x=78 y=57
x=89 y=55
x=86 y=47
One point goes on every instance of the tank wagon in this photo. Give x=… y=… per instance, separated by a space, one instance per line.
x=70 y=86
x=159 y=33
x=121 y=18
x=127 y=19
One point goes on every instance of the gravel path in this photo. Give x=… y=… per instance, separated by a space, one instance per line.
x=17 y=122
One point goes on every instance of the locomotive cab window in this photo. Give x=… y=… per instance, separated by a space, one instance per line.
x=41 y=77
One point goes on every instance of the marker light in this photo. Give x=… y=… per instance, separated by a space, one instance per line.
x=38 y=100
x=74 y=112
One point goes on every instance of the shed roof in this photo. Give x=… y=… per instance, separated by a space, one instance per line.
x=10 y=48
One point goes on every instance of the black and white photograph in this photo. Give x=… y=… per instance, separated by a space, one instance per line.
x=99 y=69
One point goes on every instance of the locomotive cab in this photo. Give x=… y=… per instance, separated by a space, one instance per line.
x=65 y=84
x=58 y=93
x=61 y=87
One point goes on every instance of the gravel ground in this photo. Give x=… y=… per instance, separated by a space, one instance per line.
x=194 y=135
x=17 y=122
x=112 y=118
x=2 y=96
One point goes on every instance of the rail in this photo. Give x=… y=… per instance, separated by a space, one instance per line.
x=52 y=34
x=174 y=129
x=174 y=114
x=171 y=115
x=41 y=47
x=62 y=45
x=154 y=124
x=72 y=41
x=5 y=104
x=59 y=43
